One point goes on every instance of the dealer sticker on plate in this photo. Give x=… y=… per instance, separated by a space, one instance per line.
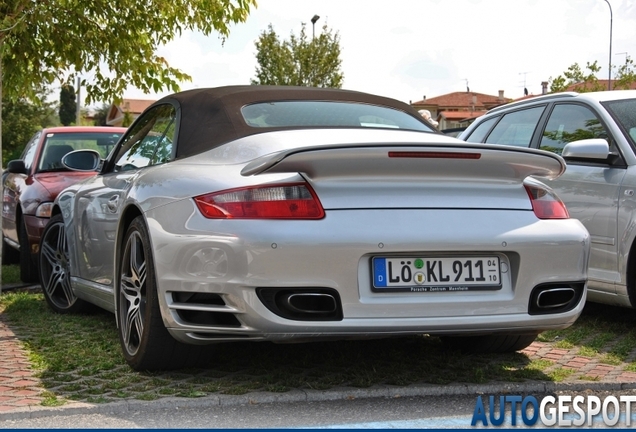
x=435 y=274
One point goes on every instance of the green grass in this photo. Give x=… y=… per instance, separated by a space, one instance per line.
x=560 y=374
x=10 y=274
x=78 y=357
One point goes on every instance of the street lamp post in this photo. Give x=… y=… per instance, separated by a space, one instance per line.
x=313 y=25
x=609 y=80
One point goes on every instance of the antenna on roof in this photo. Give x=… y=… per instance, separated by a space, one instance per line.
x=467 y=88
x=525 y=89
x=621 y=53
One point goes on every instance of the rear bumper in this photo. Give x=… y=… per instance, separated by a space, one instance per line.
x=230 y=260
x=370 y=329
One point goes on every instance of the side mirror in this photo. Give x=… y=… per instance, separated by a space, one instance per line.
x=82 y=160
x=594 y=149
x=17 y=167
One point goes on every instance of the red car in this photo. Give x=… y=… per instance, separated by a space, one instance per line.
x=31 y=183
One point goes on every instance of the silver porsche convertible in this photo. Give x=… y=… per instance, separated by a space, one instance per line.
x=291 y=214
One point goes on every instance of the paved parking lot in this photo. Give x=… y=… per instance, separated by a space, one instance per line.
x=21 y=390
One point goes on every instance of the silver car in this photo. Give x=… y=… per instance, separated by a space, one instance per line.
x=298 y=214
x=596 y=134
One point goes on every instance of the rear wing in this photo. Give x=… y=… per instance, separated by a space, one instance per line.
x=444 y=161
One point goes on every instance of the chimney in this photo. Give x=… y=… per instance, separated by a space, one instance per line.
x=544 y=87
x=424 y=98
x=501 y=95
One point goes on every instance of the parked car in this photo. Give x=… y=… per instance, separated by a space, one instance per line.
x=453 y=131
x=251 y=213
x=596 y=134
x=31 y=183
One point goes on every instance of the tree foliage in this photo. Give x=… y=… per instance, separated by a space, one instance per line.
x=112 y=43
x=100 y=114
x=587 y=81
x=128 y=119
x=68 y=105
x=21 y=119
x=625 y=76
x=299 y=61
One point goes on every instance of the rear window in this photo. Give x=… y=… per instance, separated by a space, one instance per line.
x=328 y=114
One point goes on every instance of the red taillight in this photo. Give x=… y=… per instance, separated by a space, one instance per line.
x=286 y=201
x=545 y=204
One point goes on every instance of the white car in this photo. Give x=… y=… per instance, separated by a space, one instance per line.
x=596 y=134
x=296 y=214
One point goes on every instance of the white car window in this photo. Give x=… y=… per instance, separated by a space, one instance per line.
x=481 y=130
x=570 y=122
x=516 y=128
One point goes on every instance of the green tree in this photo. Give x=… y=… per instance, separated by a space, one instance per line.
x=586 y=80
x=625 y=76
x=128 y=119
x=68 y=105
x=22 y=119
x=101 y=112
x=113 y=42
x=299 y=61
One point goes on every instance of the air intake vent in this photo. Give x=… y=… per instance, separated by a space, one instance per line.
x=204 y=309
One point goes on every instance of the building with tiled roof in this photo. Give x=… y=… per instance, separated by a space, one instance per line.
x=600 y=85
x=459 y=109
x=128 y=107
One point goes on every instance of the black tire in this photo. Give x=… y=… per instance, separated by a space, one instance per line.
x=145 y=341
x=28 y=267
x=9 y=255
x=55 y=270
x=496 y=343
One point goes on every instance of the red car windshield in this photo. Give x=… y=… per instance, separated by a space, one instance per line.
x=57 y=145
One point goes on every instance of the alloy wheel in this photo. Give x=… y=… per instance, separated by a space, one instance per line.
x=132 y=293
x=55 y=268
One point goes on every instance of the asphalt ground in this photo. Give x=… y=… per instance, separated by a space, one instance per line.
x=21 y=391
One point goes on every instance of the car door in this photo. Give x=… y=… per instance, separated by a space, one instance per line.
x=590 y=190
x=13 y=185
x=100 y=202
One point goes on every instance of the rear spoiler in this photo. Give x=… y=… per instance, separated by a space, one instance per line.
x=478 y=161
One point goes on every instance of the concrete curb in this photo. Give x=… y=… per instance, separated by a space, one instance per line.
x=19 y=285
x=497 y=388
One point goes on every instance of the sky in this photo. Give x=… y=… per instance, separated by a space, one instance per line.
x=409 y=49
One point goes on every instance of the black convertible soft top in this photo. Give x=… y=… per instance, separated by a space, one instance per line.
x=212 y=116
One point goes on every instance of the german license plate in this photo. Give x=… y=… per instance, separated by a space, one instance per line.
x=434 y=274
